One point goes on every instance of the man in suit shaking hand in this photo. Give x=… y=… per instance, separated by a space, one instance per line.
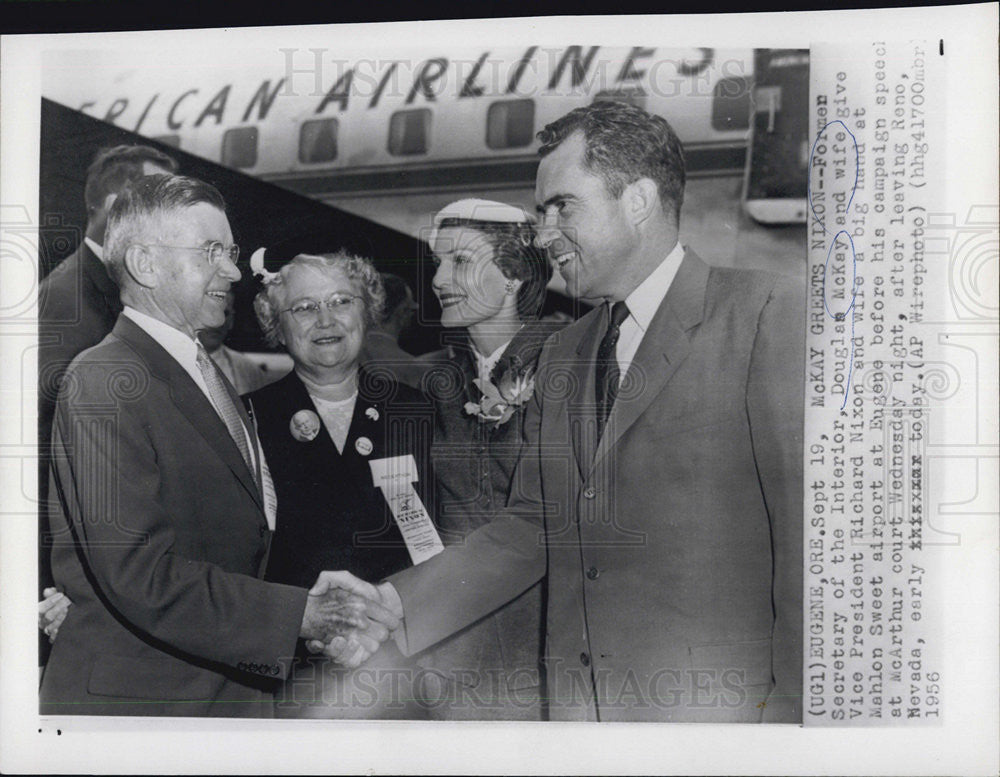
x=78 y=303
x=161 y=505
x=660 y=484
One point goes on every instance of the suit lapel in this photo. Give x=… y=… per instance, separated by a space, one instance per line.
x=190 y=401
x=364 y=428
x=463 y=356
x=370 y=431
x=663 y=348
x=97 y=274
x=322 y=451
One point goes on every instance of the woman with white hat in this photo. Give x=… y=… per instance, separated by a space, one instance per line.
x=490 y=280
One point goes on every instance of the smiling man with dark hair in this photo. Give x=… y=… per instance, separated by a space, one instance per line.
x=660 y=481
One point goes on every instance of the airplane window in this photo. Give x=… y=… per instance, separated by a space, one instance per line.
x=318 y=141
x=634 y=97
x=239 y=147
x=510 y=124
x=731 y=104
x=168 y=140
x=409 y=132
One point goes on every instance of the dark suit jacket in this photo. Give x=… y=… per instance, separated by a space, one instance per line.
x=160 y=540
x=78 y=304
x=674 y=544
x=330 y=515
x=474 y=464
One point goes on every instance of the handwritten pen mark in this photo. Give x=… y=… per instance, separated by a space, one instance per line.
x=857 y=168
x=839 y=316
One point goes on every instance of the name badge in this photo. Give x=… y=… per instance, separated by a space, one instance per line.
x=395 y=475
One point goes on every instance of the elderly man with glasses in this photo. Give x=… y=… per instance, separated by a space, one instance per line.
x=161 y=502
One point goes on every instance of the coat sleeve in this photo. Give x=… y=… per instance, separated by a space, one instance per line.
x=105 y=482
x=494 y=564
x=775 y=406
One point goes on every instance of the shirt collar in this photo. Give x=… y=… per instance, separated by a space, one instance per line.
x=487 y=363
x=174 y=341
x=95 y=247
x=647 y=297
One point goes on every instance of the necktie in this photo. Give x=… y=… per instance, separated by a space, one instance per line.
x=224 y=404
x=606 y=386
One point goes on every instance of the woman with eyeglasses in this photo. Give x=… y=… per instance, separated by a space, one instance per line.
x=322 y=427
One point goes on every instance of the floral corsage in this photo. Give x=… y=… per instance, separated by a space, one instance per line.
x=499 y=402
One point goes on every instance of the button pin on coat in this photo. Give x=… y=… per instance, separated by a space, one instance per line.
x=304 y=425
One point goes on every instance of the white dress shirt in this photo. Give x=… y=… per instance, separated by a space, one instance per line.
x=643 y=303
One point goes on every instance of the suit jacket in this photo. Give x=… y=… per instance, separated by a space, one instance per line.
x=674 y=543
x=78 y=304
x=160 y=540
x=330 y=515
x=474 y=463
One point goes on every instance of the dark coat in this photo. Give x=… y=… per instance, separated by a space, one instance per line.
x=78 y=305
x=330 y=515
x=160 y=541
x=498 y=657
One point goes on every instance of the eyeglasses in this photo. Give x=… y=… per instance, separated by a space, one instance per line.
x=307 y=310
x=214 y=251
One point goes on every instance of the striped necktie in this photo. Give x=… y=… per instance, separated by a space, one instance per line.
x=608 y=373
x=225 y=406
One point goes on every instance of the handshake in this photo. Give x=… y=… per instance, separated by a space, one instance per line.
x=345 y=618
x=348 y=619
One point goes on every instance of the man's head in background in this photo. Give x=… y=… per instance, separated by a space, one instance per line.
x=110 y=172
x=400 y=306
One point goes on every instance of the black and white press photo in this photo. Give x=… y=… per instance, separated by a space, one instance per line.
x=588 y=386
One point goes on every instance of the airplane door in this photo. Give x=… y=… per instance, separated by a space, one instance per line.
x=776 y=179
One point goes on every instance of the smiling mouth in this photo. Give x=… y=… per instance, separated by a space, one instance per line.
x=328 y=340
x=219 y=295
x=563 y=259
x=448 y=300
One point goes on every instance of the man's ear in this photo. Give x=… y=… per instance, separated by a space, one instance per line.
x=641 y=199
x=140 y=266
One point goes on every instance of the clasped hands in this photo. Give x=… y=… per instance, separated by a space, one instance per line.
x=348 y=619
x=345 y=618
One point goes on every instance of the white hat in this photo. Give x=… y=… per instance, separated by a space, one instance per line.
x=475 y=209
